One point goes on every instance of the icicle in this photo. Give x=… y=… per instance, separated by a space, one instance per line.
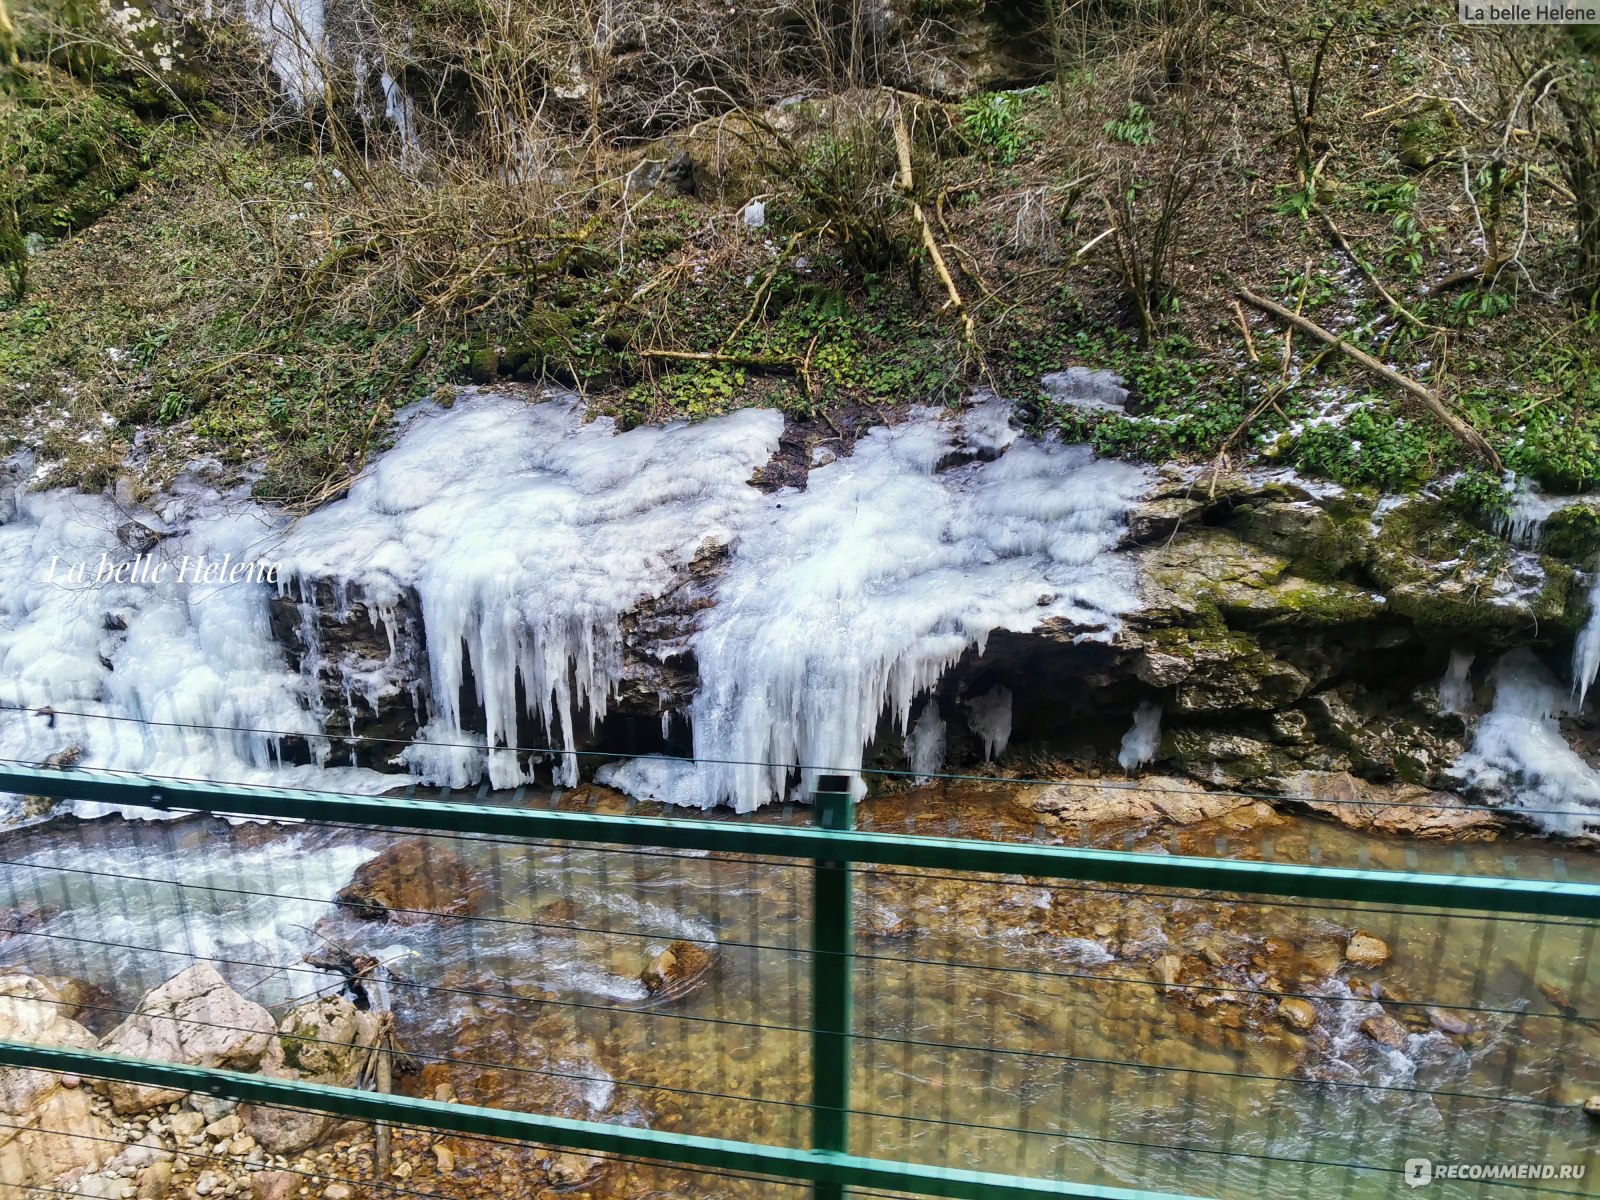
x=1455 y=688
x=925 y=746
x=990 y=718
x=1519 y=758
x=1586 y=651
x=1143 y=739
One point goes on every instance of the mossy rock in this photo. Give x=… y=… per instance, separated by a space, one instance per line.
x=1573 y=534
x=66 y=152
x=1456 y=581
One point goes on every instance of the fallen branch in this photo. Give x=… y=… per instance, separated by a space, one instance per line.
x=1399 y=310
x=902 y=146
x=1465 y=433
x=739 y=360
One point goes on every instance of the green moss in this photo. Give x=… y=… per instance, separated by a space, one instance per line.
x=1573 y=534
x=66 y=152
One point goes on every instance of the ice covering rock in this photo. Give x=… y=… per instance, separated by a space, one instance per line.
x=527 y=533
x=852 y=598
x=925 y=746
x=1143 y=739
x=1518 y=757
x=989 y=715
x=157 y=673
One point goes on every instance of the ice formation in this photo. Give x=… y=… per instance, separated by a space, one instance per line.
x=1143 y=739
x=293 y=33
x=1586 y=651
x=989 y=715
x=1455 y=688
x=925 y=746
x=1524 y=520
x=850 y=599
x=526 y=534
x=157 y=646
x=1518 y=757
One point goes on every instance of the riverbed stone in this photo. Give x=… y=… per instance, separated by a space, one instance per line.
x=677 y=968
x=79 y=1137
x=275 y=1185
x=1385 y=1030
x=323 y=1041
x=1366 y=950
x=411 y=881
x=1297 y=1013
x=195 y=1019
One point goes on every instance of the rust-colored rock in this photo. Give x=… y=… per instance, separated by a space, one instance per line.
x=1386 y=1031
x=1366 y=950
x=676 y=969
x=411 y=881
x=1297 y=1014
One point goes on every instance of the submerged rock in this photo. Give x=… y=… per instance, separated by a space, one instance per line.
x=411 y=881
x=1366 y=950
x=1297 y=1014
x=676 y=969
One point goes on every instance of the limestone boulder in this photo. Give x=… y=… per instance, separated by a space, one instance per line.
x=195 y=1019
x=323 y=1041
x=33 y=1102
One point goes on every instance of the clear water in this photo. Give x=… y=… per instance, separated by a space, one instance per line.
x=1005 y=1025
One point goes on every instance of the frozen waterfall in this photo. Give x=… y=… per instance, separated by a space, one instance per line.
x=153 y=661
x=852 y=598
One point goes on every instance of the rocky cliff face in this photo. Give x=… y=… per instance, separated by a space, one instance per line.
x=1285 y=632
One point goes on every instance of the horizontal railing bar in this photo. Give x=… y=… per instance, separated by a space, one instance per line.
x=1537 y=897
x=668 y=1148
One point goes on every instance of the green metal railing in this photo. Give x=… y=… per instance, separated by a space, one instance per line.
x=836 y=851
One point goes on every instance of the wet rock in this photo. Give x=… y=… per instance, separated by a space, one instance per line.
x=336 y=1191
x=23 y=920
x=63 y=760
x=138 y=537
x=564 y=1170
x=1446 y=1021
x=1157 y=797
x=1297 y=1013
x=323 y=1041
x=1591 y=1106
x=1386 y=1031
x=1366 y=950
x=411 y=881
x=676 y=969
x=444 y=1159
x=1405 y=809
x=1169 y=970
x=196 y=1019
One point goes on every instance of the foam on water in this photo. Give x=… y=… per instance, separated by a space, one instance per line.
x=1518 y=757
x=526 y=534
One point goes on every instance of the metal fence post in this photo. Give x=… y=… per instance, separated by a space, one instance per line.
x=832 y=944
